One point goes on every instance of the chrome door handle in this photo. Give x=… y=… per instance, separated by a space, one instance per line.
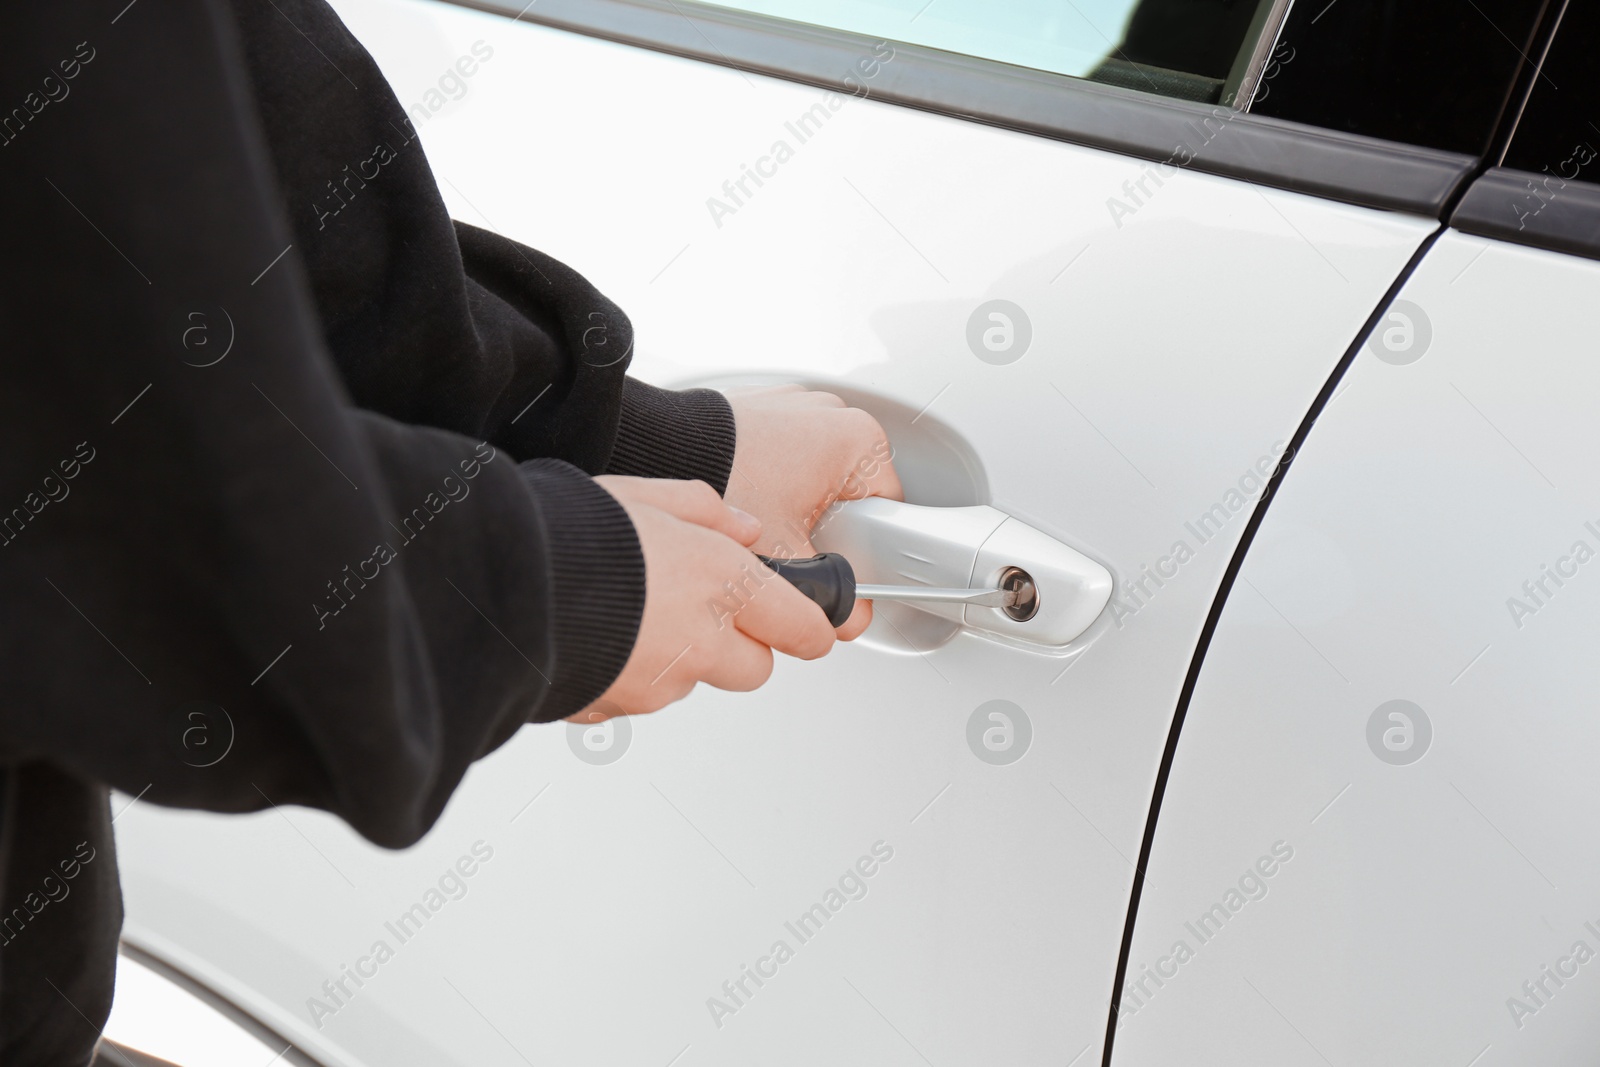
x=965 y=557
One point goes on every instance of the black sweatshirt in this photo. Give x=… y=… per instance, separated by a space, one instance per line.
x=294 y=468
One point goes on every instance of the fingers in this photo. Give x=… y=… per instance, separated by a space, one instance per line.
x=883 y=480
x=794 y=391
x=860 y=615
x=780 y=616
x=656 y=688
x=873 y=474
x=601 y=710
x=730 y=660
x=795 y=546
x=739 y=664
x=785 y=537
x=825 y=400
x=860 y=618
x=691 y=501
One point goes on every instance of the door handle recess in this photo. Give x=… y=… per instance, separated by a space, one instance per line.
x=976 y=547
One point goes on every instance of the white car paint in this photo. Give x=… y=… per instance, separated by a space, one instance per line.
x=154 y=1015
x=1401 y=561
x=1174 y=346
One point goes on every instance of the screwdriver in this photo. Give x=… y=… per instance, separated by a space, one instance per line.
x=829 y=581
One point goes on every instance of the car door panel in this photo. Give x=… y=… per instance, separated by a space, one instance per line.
x=1399 y=692
x=1174 y=340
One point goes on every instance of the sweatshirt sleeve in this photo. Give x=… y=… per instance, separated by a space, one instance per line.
x=229 y=583
x=667 y=434
x=442 y=323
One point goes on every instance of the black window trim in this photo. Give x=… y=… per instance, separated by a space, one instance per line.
x=1270 y=152
x=1538 y=210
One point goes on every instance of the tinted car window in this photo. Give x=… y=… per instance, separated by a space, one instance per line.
x=1427 y=73
x=1558 y=132
x=1205 y=50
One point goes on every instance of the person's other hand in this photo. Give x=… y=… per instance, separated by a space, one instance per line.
x=798 y=451
x=712 y=612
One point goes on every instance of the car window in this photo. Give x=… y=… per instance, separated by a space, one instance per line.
x=1210 y=51
x=1558 y=133
x=1431 y=74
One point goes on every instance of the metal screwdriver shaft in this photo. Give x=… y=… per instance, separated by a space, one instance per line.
x=830 y=581
x=988 y=598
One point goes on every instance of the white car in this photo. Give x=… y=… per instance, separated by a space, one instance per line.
x=1283 y=315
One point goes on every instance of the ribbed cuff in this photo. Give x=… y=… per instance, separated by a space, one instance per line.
x=597 y=584
x=668 y=434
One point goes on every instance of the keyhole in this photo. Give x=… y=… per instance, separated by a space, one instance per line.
x=1018 y=581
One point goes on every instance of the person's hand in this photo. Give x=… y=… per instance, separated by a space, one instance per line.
x=797 y=452
x=712 y=612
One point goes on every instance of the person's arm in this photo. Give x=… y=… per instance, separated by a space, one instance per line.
x=195 y=518
x=445 y=324
x=675 y=433
x=442 y=323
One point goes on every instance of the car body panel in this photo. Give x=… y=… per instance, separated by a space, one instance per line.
x=1174 y=346
x=1439 y=859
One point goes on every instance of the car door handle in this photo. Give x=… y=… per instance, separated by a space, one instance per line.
x=979 y=548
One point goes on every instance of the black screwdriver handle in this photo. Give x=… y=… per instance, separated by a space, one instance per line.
x=828 y=580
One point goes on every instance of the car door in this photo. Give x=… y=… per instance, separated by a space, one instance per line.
x=1374 y=839
x=1100 y=310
